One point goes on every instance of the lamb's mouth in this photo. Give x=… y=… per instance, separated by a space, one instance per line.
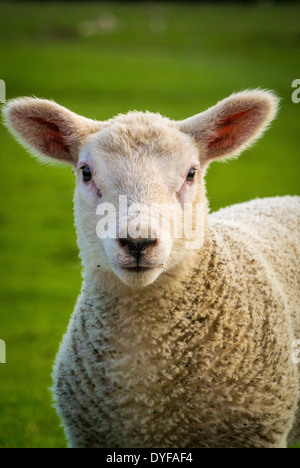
x=137 y=269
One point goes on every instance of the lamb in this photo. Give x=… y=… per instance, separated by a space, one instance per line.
x=171 y=346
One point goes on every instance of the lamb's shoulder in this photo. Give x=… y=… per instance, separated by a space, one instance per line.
x=266 y=231
x=262 y=216
x=269 y=227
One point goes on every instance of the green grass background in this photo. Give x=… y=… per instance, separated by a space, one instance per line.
x=172 y=58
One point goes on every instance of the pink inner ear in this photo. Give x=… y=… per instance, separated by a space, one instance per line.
x=230 y=132
x=53 y=141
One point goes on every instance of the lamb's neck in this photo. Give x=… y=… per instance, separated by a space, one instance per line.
x=138 y=329
x=175 y=294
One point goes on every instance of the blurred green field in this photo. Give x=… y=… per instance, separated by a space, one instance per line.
x=99 y=60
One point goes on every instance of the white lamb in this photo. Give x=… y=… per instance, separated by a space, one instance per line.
x=172 y=346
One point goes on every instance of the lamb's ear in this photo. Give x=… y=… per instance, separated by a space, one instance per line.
x=232 y=125
x=48 y=129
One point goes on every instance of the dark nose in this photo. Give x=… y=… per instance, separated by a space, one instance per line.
x=136 y=247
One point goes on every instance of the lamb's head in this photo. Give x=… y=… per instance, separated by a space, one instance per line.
x=140 y=203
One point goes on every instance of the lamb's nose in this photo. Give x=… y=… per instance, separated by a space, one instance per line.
x=136 y=247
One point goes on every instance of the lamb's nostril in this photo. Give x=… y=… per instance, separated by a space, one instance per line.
x=136 y=247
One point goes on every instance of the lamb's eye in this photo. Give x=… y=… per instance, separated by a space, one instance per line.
x=191 y=175
x=86 y=173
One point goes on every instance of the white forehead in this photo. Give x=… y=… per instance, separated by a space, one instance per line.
x=139 y=141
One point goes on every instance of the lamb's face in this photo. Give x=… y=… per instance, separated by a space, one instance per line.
x=145 y=170
x=137 y=179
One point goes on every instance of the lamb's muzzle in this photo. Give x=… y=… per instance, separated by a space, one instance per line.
x=136 y=247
